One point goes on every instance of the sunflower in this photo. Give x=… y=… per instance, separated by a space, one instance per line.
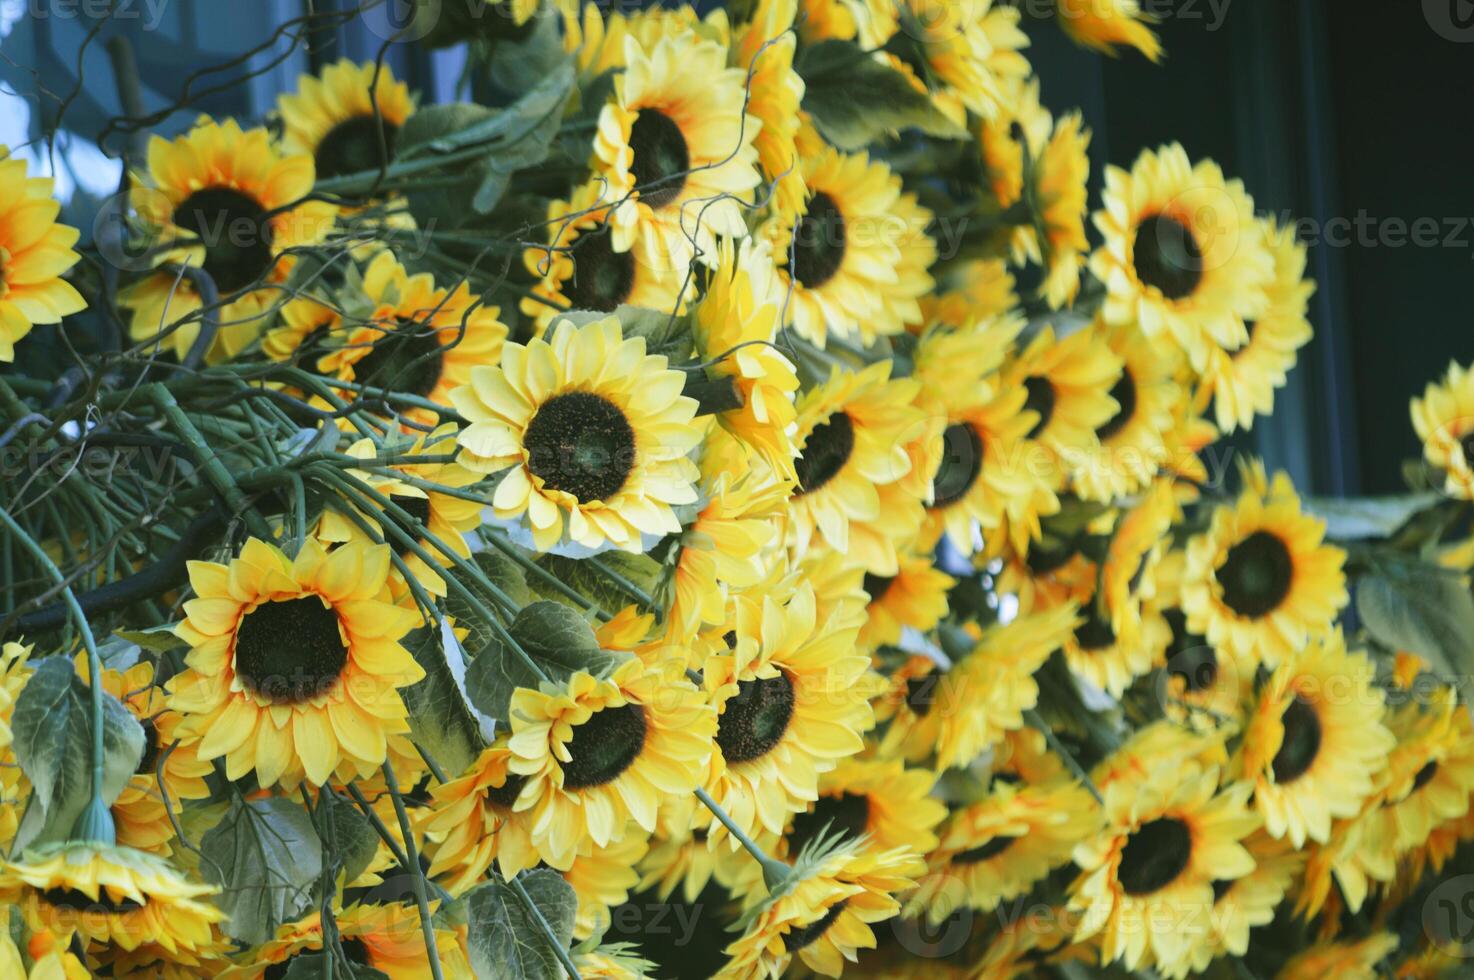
x=1431 y=772
x=852 y=436
x=602 y=878
x=1444 y=419
x=675 y=147
x=880 y=799
x=968 y=52
x=1314 y=742
x=36 y=252
x=1199 y=686
x=294 y=663
x=851 y=263
x=1134 y=557
x=790 y=704
x=1242 y=382
x=581 y=268
x=1348 y=960
x=680 y=855
x=967 y=294
x=348 y=120
x=587 y=430
x=472 y=824
x=1183 y=255
x=1023 y=756
x=386 y=938
x=1147 y=877
x=402 y=333
x=764 y=49
x=1261 y=578
x=1002 y=846
x=48 y=956
x=822 y=913
x=914 y=598
x=1109 y=660
x=109 y=894
x=600 y=753
x=1102 y=25
x=222 y=200
x=303 y=325
x=1045 y=572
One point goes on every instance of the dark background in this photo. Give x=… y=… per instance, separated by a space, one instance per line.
x=1328 y=110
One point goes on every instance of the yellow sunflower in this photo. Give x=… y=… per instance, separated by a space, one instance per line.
x=1133 y=559
x=1347 y=960
x=402 y=333
x=109 y=894
x=1103 y=25
x=1240 y=904
x=1315 y=743
x=764 y=49
x=1431 y=772
x=48 y=957
x=1444 y=419
x=680 y=854
x=969 y=293
x=36 y=253
x=294 y=663
x=1200 y=687
x=1242 y=382
x=387 y=938
x=880 y=799
x=914 y=598
x=1002 y=846
x=303 y=326
x=1147 y=878
x=602 y=878
x=1261 y=578
x=590 y=434
x=790 y=704
x=969 y=52
x=1183 y=255
x=599 y=754
x=675 y=147
x=1109 y=660
x=348 y=120
x=222 y=200
x=471 y=823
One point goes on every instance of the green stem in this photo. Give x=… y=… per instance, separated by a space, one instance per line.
x=774 y=870
x=422 y=898
x=1035 y=720
x=210 y=464
x=547 y=930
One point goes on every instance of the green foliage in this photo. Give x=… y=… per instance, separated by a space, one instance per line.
x=1356 y=518
x=266 y=857
x=856 y=100
x=346 y=834
x=439 y=719
x=1421 y=608
x=506 y=940
x=316 y=966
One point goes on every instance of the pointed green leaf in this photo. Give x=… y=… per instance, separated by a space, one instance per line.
x=856 y=100
x=506 y=940
x=266 y=858
x=439 y=718
x=1423 y=609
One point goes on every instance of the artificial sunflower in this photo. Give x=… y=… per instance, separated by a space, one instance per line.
x=967 y=294
x=1109 y=660
x=963 y=52
x=1199 y=687
x=49 y=959
x=386 y=938
x=303 y=326
x=37 y=252
x=764 y=48
x=1444 y=419
x=226 y=201
x=680 y=855
x=348 y=120
x=1133 y=559
x=1145 y=879
x=294 y=663
x=675 y=146
x=1314 y=743
x=1348 y=959
x=1103 y=25
x=914 y=598
x=880 y=799
x=402 y=333
x=602 y=878
x=600 y=754
x=1183 y=255
x=472 y=824
x=590 y=434
x=109 y=894
x=1262 y=579
x=1431 y=772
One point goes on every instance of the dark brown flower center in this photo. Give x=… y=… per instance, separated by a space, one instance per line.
x=1466 y=446
x=502 y=797
x=1124 y=392
x=984 y=852
x=604 y=746
x=876 y=586
x=150 y=758
x=1189 y=656
x=921 y=692
x=75 y=900
x=819 y=242
x=353 y=145
x=754 y=720
x=407 y=356
x=582 y=444
x=235 y=232
x=1095 y=633
x=1425 y=775
x=661 y=157
x=962 y=463
x=825 y=452
x=602 y=278
x=418 y=509
x=1154 y=855
x=290 y=650
x=796 y=939
x=1045 y=558
x=1301 y=743
x=1041 y=399
x=1166 y=255
x=847 y=814
x=1256 y=575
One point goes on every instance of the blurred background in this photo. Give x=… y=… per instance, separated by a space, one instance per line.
x=1353 y=119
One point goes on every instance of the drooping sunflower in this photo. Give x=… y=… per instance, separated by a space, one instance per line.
x=1000 y=847
x=790 y=704
x=676 y=149
x=1146 y=878
x=681 y=856
x=348 y=120
x=37 y=252
x=1444 y=419
x=294 y=663
x=1315 y=742
x=109 y=894
x=880 y=799
x=403 y=333
x=968 y=52
x=222 y=200
x=1242 y=382
x=1183 y=255
x=472 y=823
x=914 y=598
x=1102 y=25
x=589 y=432
x=1261 y=578
x=582 y=269
x=1133 y=560
x=386 y=938
x=602 y=754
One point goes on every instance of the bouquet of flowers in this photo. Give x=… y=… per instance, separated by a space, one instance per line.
x=724 y=499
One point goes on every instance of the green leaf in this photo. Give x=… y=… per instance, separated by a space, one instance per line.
x=265 y=856
x=506 y=940
x=1420 y=608
x=314 y=966
x=1358 y=518
x=52 y=729
x=856 y=100
x=160 y=639
x=506 y=575
x=591 y=583
x=439 y=718
x=555 y=637
x=346 y=835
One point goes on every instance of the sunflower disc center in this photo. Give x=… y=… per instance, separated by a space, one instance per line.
x=1124 y=392
x=962 y=464
x=290 y=650
x=602 y=278
x=77 y=900
x=984 y=852
x=825 y=452
x=819 y=242
x=755 y=719
x=1189 y=656
x=1166 y=255
x=847 y=814
x=1301 y=743
x=1041 y=399
x=353 y=145
x=150 y=757
x=407 y=356
x=1154 y=855
x=1256 y=575
x=418 y=509
x=581 y=443
x=660 y=154
x=921 y=692
x=1466 y=446
x=797 y=939
x=502 y=797
x=1095 y=633
x=235 y=232
x=604 y=746
x=876 y=586
x=1044 y=559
